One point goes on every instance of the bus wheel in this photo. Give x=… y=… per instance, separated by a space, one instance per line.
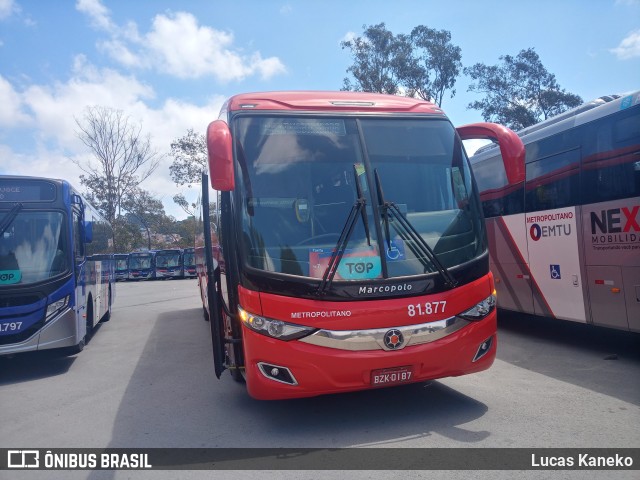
x=107 y=315
x=89 y=319
x=237 y=374
x=75 y=349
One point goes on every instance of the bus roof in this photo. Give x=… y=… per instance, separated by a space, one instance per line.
x=329 y=101
x=584 y=113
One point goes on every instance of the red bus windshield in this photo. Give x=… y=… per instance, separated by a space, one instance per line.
x=298 y=187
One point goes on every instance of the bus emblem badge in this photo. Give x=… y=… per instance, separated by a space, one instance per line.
x=393 y=339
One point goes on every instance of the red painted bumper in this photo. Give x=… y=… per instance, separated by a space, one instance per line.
x=321 y=370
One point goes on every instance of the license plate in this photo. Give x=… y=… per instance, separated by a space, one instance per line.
x=391 y=376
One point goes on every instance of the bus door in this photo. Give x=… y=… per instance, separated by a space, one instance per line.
x=552 y=230
x=77 y=214
x=611 y=216
x=226 y=343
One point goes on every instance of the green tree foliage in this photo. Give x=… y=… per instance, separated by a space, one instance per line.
x=190 y=159
x=519 y=91
x=186 y=229
x=378 y=61
x=183 y=203
x=189 y=154
x=147 y=211
x=435 y=65
x=424 y=63
x=123 y=158
x=127 y=236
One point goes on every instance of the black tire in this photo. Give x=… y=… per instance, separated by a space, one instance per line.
x=89 y=320
x=237 y=374
x=75 y=349
x=107 y=316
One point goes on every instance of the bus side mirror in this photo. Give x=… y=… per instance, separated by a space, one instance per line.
x=511 y=147
x=220 y=153
x=87 y=232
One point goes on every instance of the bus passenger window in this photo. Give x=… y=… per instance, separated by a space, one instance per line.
x=552 y=182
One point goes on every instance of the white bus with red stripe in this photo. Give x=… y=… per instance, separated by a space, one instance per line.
x=565 y=242
x=354 y=248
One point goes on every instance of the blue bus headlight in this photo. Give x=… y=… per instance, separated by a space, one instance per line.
x=481 y=310
x=273 y=328
x=56 y=307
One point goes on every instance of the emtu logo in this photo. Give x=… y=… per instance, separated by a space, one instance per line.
x=535 y=231
x=23 y=459
x=561 y=230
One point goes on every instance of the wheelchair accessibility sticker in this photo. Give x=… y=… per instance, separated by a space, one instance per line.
x=554 y=270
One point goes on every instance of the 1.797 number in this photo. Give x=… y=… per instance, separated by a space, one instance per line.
x=10 y=326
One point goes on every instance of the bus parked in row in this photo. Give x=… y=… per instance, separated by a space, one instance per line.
x=169 y=263
x=189 y=262
x=565 y=241
x=142 y=265
x=122 y=266
x=353 y=240
x=56 y=266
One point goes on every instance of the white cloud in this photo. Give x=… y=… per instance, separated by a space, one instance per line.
x=181 y=47
x=177 y=45
x=11 y=113
x=7 y=8
x=629 y=47
x=42 y=162
x=119 y=51
x=54 y=109
x=98 y=14
x=348 y=37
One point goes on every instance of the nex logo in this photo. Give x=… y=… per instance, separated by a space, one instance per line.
x=610 y=221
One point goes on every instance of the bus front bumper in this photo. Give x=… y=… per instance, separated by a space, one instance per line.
x=59 y=332
x=296 y=369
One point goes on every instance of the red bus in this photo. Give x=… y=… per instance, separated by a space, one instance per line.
x=353 y=241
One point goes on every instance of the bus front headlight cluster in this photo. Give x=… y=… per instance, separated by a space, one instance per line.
x=481 y=310
x=273 y=328
x=56 y=307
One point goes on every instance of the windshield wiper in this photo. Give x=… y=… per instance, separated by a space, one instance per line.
x=359 y=207
x=408 y=231
x=10 y=217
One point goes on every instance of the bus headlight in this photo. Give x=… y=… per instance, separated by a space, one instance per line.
x=481 y=310
x=273 y=328
x=56 y=307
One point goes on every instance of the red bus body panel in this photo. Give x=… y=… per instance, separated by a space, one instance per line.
x=321 y=370
x=319 y=101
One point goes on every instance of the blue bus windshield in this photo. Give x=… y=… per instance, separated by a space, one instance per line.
x=32 y=248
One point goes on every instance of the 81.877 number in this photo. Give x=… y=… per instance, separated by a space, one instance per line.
x=427 y=308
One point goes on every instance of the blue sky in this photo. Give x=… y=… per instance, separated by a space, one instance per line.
x=169 y=65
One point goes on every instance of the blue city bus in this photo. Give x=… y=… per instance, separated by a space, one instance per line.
x=169 y=263
x=122 y=266
x=142 y=265
x=189 y=261
x=56 y=266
